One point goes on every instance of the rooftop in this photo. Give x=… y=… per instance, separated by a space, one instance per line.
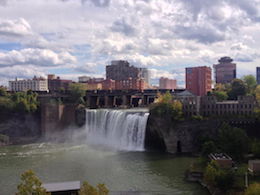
x=62 y=186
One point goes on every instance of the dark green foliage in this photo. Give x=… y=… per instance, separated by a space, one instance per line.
x=225 y=179
x=4 y=138
x=221 y=178
x=165 y=106
x=20 y=102
x=250 y=82
x=76 y=92
x=255 y=148
x=209 y=93
x=238 y=87
x=221 y=96
x=6 y=105
x=208 y=147
x=197 y=118
x=2 y=92
x=233 y=141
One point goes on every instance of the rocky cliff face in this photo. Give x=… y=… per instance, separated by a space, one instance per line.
x=20 y=127
x=177 y=137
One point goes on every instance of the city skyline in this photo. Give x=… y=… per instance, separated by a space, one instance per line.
x=75 y=38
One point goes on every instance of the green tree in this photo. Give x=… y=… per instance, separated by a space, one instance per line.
x=229 y=138
x=30 y=185
x=62 y=90
x=257 y=94
x=238 y=87
x=255 y=148
x=208 y=147
x=76 y=91
x=251 y=83
x=220 y=95
x=88 y=189
x=30 y=92
x=6 y=104
x=253 y=189
x=2 y=92
x=209 y=175
x=22 y=106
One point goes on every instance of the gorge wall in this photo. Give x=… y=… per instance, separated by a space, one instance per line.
x=183 y=137
x=20 y=127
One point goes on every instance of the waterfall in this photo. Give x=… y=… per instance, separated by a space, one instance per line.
x=118 y=129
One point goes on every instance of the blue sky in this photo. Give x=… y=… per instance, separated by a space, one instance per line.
x=71 y=38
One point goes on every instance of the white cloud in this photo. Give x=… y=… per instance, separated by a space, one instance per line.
x=87 y=68
x=38 y=57
x=15 y=28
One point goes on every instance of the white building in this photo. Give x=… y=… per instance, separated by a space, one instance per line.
x=146 y=74
x=36 y=84
x=84 y=79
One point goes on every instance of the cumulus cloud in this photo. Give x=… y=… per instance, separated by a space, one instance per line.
x=243 y=53
x=15 y=28
x=38 y=57
x=3 y=2
x=87 y=68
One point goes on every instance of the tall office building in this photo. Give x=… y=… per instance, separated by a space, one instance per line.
x=121 y=70
x=258 y=75
x=198 y=80
x=165 y=83
x=146 y=74
x=225 y=71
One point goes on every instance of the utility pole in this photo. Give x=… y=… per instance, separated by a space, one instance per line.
x=246 y=179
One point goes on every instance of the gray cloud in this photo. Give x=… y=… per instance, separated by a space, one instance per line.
x=124 y=26
x=204 y=35
x=88 y=68
x=3 y=2
x=98 y=3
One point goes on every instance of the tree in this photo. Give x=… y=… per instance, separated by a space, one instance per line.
x=251 y=83
x=208 y=147
x=229 y=138
x=225 y=178
x=88 y=189
x=30 y=185
x=253 y=189
x=22 y=106
x=2 y=91
x=255 y=148
x=257 y=94
x=238 y=87
x=76 y=91
x=62 y=90
x=209 y=175
x=220 y=95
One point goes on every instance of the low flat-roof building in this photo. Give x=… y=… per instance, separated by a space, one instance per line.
x=254 y=167
x=62 y=188
x=223 y=159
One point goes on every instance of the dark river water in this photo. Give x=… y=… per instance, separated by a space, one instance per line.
x=136 y=172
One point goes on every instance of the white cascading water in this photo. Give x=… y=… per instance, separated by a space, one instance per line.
x=118 y=129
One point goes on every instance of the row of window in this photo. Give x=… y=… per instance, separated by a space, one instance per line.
x=205 y=113
x=227 y=106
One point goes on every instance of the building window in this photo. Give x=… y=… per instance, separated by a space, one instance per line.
x=189 y=83
x=189 y=70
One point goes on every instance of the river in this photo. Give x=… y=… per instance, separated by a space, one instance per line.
x=137 y=172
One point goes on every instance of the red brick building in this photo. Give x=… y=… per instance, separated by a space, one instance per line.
x=198 y=80
x=165 y=83
x=108 y=84
x=131 y=83
x=56 y=84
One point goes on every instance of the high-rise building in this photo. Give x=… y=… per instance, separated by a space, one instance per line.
x=146 y=74
x=165 y=83
x=258 y=75
x=225 y=71
x=120 y=70
x=36 y=84
x=198 y=80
